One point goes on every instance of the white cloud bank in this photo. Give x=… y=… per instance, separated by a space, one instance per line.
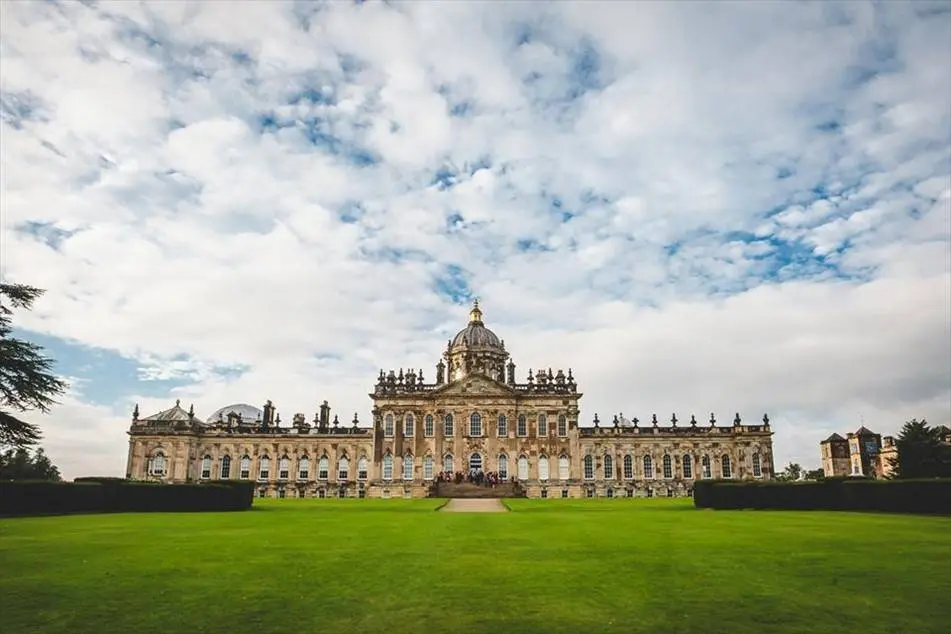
x=718 y=207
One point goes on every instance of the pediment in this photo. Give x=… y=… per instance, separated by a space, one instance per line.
x=475 y=385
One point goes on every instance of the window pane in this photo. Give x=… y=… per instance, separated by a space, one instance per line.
x=503 y=425
x=409 y=425
x=562 y=425
x=542 y=425
x=648 y=467
x=428 y=425
x=628 y=468
x=503 y=467
x=522 y=426
x=589 y=468
x=475 y=425
x=688 y=466
x=388 y=467
x=543 y=468
x=523 y=468
x=408 y=468
x=428 y=468
x=447 y=426
x=608 y=468
x=563 y=467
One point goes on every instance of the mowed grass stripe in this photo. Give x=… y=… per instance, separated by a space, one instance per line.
x=549 y=566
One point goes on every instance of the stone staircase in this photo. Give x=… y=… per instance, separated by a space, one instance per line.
x=466 y=490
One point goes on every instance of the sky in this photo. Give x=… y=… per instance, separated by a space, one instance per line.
x=697 y=207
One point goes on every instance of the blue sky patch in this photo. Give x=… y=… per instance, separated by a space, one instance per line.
x=453 y=283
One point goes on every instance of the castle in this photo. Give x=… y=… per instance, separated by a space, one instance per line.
x=475 y=417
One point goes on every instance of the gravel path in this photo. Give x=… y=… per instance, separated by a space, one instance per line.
x=476 y=505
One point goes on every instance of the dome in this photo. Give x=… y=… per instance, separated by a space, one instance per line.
x=249 y=413
x=476 y=334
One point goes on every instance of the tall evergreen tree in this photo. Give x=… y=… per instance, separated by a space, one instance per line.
x=26 y=378
x=921 y=454
x=18 y=464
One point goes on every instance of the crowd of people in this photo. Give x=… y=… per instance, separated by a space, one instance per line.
x=473 y=476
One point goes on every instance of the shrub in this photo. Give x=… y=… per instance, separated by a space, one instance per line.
x=116 y=494
x=858 y=494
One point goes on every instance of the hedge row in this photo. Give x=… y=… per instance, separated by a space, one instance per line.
x=90 y=495
x=836 y=494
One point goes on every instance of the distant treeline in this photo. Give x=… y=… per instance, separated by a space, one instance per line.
x=104 y=495
x=833 y=494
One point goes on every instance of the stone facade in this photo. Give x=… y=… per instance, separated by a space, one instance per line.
x=475 y=415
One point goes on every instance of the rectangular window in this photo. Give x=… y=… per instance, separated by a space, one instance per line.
x=281 y=493
x=503 y=426
x=226 y=467
x=428 y=468
x=428 y=427
x=668 y=468
x=650 y=493
x=408 y=468
x=388 y=425
x=448 y=430
x=562 y=425
x=362 y=469
x=757 y=467
x=303 y=474
x=688 y=466
x=361 y=493
x=705 y=470
x=265 y=471
x=648 y=467
x=542 y=425
x=588 y=468
x=521 y=427
x=628 y=468
x=409 y=426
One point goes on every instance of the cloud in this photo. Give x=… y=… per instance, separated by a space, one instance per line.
x=720 y=208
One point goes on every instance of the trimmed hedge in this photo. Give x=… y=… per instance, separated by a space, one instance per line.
x=833 y=494
x=91 y=495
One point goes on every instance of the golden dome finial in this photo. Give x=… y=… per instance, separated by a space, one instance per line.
x=475 y=315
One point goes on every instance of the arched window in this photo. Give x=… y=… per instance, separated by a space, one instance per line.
x=522 y=468
x=475 y=425
x=447 y=463
x=542 y=425
x=388 y=467
x=428 y=426
x=448 y=430
x=225 y=468
x=428 y=468
x=668 y=467
x=323 y=468
x=157 y=464
x=388 y=425
x=343 y=468
x=503 y=426
x=303 y=468
x=245 y=467
x=409 y=425
x=521 y=426
x=648 y=467
x=408 y=467
x=757 y=466
x=362 y=468
x=264 y=472
x=705 y=470
x=543 y=468
x=284 y=467
x=725 y=466
x=475 y=462
x=562 y=425
x=628 y=467
x=589 y=467
x=206 y=467
x=608 y=468
x=503 y=467
x=688 y=465
x=564 y=468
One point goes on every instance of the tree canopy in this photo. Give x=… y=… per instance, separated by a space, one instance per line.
x=921 y=452
x=26 y=378
x=19 y=464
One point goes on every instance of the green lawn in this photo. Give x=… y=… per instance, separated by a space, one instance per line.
x=305 y=566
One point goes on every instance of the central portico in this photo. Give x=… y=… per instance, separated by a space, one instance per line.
x=474 y=416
